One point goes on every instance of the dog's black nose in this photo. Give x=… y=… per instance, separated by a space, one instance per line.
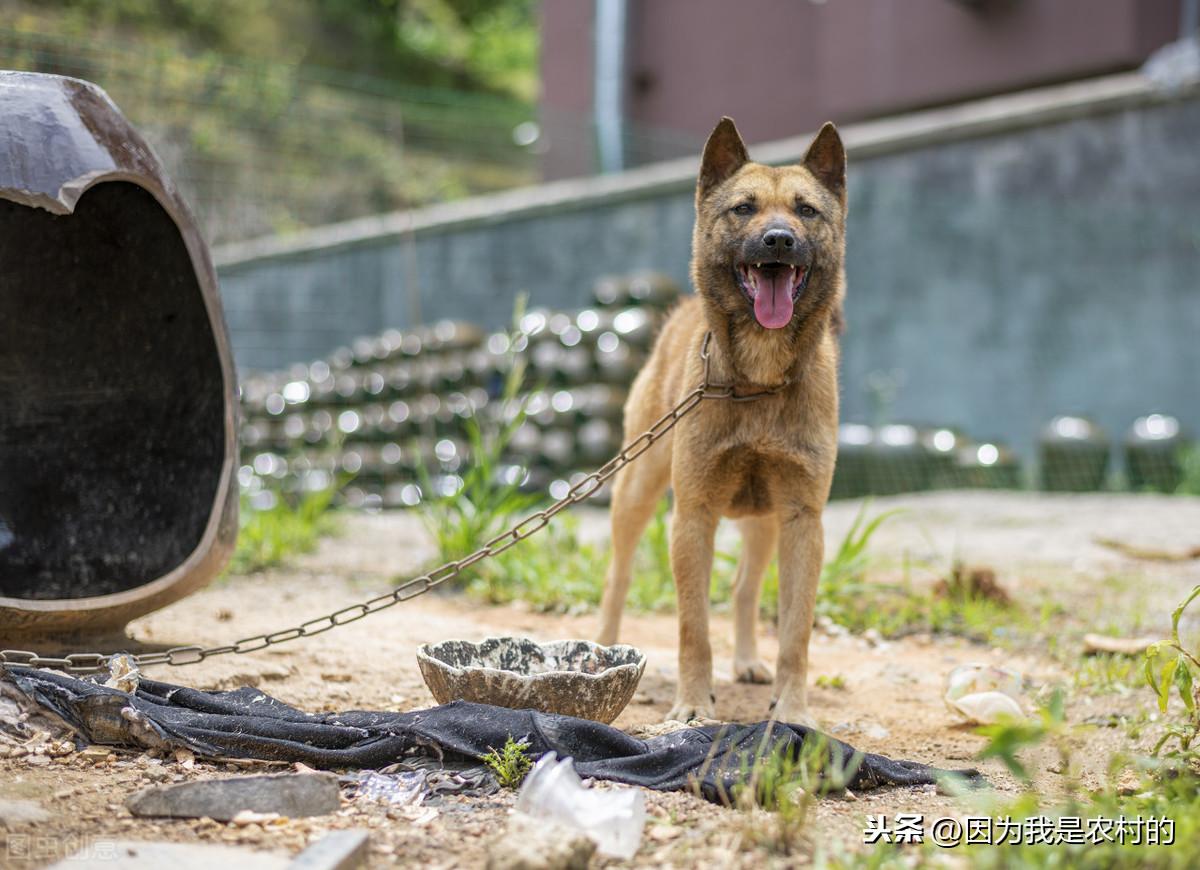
x=778 y=238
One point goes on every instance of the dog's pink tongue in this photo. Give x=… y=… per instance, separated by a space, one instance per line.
x=773 y=301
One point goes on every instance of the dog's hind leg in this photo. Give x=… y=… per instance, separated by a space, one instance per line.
x=759 y=536
x=636 y=491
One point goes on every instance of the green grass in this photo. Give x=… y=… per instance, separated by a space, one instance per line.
x=270 y=537
x=1106 y=674
x=559 y=572
x=553 y=572
x=509 y=765
x=483 y=507
x=1189 y=461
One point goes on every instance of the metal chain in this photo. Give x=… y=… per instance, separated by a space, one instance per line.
x=187 y=655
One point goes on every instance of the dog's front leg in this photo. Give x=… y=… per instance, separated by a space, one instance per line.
x=693 y=529
x=801 y=549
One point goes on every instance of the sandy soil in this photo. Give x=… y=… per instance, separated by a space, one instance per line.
x=1043 y=549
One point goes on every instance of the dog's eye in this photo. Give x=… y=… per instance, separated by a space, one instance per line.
x=744 y=209
x=807 y=211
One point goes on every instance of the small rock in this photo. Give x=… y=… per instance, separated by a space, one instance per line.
x=37 y=760
x=339 y=850
x=537 y=844
x=664 y=833
x=1128 y=783
x=249 y=817
x=288 y=794
x=21 y=811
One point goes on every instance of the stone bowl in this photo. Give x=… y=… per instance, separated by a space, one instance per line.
x=572 y=677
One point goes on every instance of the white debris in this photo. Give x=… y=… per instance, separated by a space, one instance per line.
x=613 y=819
x=984 y=694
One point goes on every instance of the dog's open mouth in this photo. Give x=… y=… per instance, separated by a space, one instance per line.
x=773 y=289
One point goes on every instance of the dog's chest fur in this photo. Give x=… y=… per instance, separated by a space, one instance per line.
x=751 y=476
x=758 y=457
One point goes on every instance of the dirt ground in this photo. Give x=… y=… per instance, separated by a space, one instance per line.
x=1043 y=548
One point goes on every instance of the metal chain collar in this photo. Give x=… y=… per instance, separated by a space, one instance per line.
x=187 y=655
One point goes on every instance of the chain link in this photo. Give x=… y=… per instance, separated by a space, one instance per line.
x=530 y=525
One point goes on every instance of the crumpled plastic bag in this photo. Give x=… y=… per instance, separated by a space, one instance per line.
x=613 y=819
x=984 y=694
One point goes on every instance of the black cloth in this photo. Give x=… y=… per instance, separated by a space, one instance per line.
x=247 y=723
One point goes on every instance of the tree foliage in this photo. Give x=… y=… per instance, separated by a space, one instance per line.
x=484 y=45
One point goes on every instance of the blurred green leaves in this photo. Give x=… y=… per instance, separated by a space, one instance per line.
x=469 y=44
x=275 y=117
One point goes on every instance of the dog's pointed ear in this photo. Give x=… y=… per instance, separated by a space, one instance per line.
x=724 y=154
x=826 y=159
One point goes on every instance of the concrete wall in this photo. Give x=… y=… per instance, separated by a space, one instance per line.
x=1009 y=259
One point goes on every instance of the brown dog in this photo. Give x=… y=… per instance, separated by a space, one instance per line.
x=767 y=255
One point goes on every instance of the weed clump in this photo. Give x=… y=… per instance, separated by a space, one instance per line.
x=1172 y=668
x=270 y=536
x=509 y=765
x=781 y=788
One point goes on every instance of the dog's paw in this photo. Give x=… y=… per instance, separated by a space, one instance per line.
x=687 y=711
x=752 y=671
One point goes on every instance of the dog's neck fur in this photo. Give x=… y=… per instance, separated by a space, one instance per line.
x=750 y=356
